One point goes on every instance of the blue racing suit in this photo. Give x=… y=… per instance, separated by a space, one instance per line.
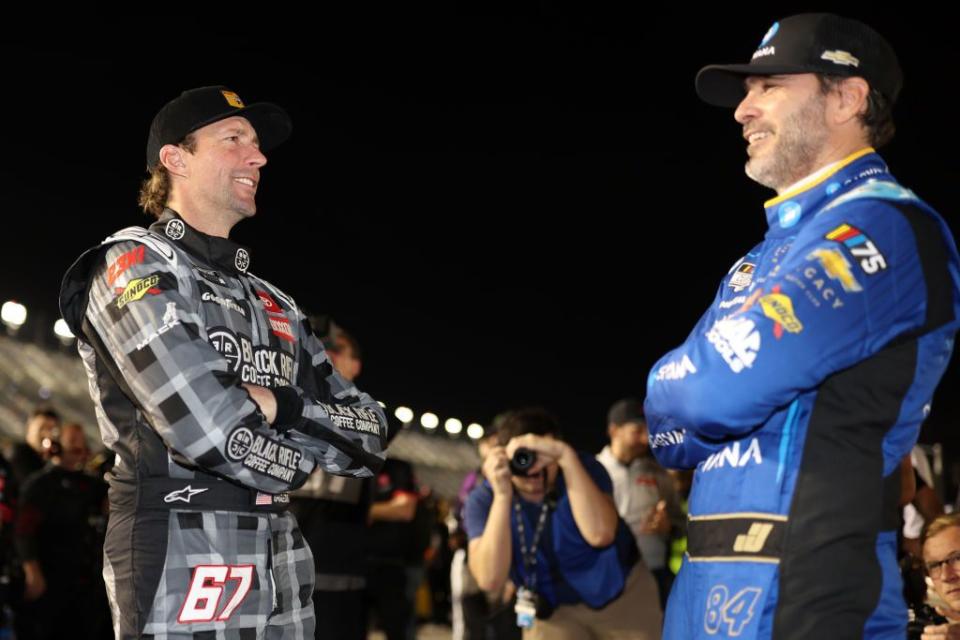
x=795 y=398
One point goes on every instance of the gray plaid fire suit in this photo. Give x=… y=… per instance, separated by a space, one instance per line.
x=199 y=542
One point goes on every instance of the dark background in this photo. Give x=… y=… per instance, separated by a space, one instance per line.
x=505 y=208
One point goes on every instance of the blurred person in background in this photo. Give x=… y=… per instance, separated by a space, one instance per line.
x=642 y=490
x=332 y=512
x=29 y=456
x=59 y=520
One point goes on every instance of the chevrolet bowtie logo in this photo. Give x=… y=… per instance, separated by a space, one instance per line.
x=841 y=57
x=753 y=540
x=182 y=495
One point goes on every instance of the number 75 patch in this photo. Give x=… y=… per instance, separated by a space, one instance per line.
x=860 y=246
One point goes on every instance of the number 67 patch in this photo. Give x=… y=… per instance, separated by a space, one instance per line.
x=206 y=591
x=734 y=612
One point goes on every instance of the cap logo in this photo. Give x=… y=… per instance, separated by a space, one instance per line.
x=763 y=52
x=233 y=99
x=174 y=229
x=242 y=260
x=841 y=57
x=772 y=31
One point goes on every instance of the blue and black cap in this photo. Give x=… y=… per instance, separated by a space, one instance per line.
x=821 y=43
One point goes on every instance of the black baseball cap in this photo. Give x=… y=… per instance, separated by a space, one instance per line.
x=808 y=43
x=196 y=108
x=626 y=410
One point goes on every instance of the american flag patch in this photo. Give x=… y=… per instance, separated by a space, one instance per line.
x=264 y=499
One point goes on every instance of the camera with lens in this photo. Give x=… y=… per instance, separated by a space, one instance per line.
x=522 y=461
x=920 y=618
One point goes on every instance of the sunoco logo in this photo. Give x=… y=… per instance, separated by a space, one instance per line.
x=136 y=289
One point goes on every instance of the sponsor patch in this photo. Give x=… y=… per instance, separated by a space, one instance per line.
x=731 y=456
x=211 y=276
x=860 y=246
x=169 y=321
x=272 y=459
x=175 y=229
x=242 y=260
x=742 y=276
x=257 y=365
x=239 y=443
x=136 y=289
x=667 y=439
x=279 y=324
x=732 y=302
x=124 y=262
x=844 y=58
x=676 y=370
x=737 y=341
x=779 y=308
x=182 y=495
x=232 y=99
x=835 y=265
x=226 y=303
x=353 y=418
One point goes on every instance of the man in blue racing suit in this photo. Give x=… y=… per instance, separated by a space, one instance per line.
x=806 y=381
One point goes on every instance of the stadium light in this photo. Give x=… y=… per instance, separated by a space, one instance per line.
x=429 y=421
x=404 y=414
x=453 y=426
x=475 y=431
x=13 y=314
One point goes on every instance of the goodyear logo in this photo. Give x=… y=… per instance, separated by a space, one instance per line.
x=136 y=289
x=233 y=99
x=779 y=308
x=835 y=265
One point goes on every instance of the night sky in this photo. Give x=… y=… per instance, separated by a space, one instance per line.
x=505 y=209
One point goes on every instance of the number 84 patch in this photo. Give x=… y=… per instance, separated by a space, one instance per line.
x=735 y=612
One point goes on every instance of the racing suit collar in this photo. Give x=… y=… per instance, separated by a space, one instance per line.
x=812 y=193
x=219 y=252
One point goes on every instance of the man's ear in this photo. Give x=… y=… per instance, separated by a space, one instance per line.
x=850 y=99
x=173 y=158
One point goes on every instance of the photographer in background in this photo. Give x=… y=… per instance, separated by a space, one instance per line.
x=545 y=518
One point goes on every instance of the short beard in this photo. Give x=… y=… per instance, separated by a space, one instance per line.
x=800 y=139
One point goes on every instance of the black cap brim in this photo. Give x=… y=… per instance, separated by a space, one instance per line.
x=722 y=84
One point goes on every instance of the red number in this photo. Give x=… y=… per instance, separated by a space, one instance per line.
x=206 y=589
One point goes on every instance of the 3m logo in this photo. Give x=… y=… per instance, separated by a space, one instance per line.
x=752 y=541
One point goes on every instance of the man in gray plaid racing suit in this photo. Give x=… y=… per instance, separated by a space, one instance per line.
x=212 y=390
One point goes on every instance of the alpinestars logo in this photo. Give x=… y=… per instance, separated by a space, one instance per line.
x=737 y=341
x=182 y=495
